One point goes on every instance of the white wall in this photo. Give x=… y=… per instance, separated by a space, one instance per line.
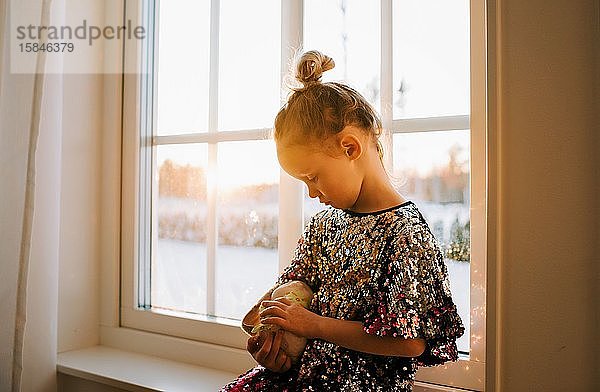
x=545 y=156
x=79 y=282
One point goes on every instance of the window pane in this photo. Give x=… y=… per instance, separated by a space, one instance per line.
x=248 y=195
x=348 y=31
x=431 y=58
x=182 y=69
x=249 y=64
x=179 y=265
x=432 y=169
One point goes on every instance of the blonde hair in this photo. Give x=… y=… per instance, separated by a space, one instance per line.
x=316 y=111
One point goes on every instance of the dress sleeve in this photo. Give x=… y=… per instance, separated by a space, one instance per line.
x=303 y=266
x=413 y=298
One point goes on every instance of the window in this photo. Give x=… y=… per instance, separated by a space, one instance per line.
x=209 y=218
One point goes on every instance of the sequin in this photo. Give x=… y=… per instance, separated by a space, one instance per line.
x=385 y=269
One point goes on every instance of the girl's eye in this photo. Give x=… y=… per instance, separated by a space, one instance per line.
x=313 y=179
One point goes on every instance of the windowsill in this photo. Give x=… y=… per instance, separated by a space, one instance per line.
x=137 y=372
x=468 y=373
x=132 y=371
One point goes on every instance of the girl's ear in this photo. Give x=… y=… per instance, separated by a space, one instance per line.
x=351 y=146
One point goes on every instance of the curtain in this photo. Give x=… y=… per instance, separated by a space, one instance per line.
x=30 y=140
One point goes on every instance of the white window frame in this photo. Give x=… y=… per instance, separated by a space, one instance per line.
x=468 y=372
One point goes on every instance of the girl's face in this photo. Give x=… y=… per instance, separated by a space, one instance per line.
x=336 y=181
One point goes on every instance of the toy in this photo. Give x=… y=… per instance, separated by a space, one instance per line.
x=296 y=291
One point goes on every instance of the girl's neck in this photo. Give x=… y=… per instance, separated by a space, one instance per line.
x=377 y=192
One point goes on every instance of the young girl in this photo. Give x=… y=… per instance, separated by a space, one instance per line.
x=382 y=304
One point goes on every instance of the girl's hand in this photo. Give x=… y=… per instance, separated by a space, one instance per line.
x=265 y=349
x=291 y=316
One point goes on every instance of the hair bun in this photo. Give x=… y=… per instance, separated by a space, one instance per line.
x=311 y=66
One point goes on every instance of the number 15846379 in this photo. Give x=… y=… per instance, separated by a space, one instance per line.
x=29 y=47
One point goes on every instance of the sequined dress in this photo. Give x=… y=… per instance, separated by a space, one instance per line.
x=383 y=268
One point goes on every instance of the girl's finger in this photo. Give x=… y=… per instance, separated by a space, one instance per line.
x=284 y=300
x=261 y=355
x=272 y=311
x=287 y=365
x=280 y=361
x=274 y=321
x=267 y=304
x=274 y=347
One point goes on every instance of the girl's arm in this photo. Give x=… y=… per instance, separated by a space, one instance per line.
x=350 y=334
